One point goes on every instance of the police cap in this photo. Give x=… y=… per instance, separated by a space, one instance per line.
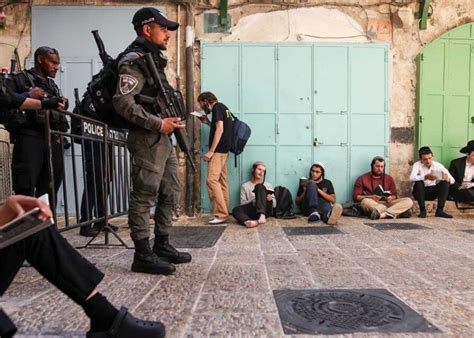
x=149 y=14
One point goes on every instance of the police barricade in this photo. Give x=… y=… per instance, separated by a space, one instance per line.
x=95 y=175
x=5 y=173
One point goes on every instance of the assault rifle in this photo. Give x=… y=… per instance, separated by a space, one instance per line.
x=104 y=57
x=171 y=106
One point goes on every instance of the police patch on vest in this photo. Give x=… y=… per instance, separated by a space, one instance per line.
x=127 y=84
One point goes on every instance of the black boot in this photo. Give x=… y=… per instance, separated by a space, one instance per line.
x=126 y=326
x=144 y=260
x=167 y=252
x=88 y=231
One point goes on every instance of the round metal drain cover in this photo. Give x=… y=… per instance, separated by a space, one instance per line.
x=344 y=311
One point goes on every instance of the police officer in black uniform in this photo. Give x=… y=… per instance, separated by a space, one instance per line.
x=30 y=161
x=154 y=163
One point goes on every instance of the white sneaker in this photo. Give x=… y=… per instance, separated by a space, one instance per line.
x=335 y=214
x=217 y=220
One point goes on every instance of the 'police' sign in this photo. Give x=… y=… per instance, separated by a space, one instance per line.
x=97 y=131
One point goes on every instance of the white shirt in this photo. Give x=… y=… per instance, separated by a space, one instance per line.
x=469 y=172
x=419 y=172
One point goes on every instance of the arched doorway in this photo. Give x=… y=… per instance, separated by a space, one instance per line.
x=445 y=93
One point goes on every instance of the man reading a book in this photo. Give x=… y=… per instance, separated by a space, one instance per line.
x=377 y=193
x=316 y=197
x=257 y=199
x=432 y=181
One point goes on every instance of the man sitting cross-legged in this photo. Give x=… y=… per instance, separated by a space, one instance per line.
x=377 y=193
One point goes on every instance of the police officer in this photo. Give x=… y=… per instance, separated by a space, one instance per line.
x=154 y=163
x=12 y=100
x=30 y=161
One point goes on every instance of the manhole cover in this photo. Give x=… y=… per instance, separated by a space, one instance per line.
x=396 y=226
x=195 y=237
x=469 y=231
x=306 y=231
x=346 y=311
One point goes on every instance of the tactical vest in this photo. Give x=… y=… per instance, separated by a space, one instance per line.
x=35 y=119
x=143 y=46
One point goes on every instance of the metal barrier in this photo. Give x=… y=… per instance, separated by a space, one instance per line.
x=95 y=158
x=5 y=173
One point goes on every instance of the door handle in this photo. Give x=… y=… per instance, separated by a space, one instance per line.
x=316 y=143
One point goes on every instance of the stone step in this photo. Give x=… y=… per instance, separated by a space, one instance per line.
x=450 y=208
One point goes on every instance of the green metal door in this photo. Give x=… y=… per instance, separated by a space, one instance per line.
x=305 y=103
x=446 y=94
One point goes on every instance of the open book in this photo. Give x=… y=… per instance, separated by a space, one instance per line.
x=380 y=192
x=197 y=113
x=22 y=227
x=304 y=181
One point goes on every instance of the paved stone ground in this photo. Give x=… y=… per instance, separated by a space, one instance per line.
x=227 y=289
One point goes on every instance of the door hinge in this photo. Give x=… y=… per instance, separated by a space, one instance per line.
x=386 y=56
x=422 y=57
x=276 y=53
x=472 y=119
x=421 y=119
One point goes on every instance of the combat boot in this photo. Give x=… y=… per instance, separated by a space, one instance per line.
x=146 y=261
x=164 y=250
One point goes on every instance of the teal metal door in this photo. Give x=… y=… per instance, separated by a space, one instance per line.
x=305 y=103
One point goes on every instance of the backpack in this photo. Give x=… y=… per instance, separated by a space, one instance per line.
x=101 y=89
x=284 y=203
x=240 y=135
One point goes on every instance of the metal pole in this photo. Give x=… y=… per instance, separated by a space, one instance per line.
x=190 y=192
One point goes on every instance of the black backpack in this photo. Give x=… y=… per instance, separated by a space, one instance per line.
x=101 y=89
x=284 y=203
x=240 y=135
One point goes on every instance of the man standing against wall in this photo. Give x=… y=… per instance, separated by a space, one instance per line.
x=220 y=140
x=154 y=163
x=30 y=153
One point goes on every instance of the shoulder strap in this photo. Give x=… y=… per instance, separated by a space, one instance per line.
x=30 y=80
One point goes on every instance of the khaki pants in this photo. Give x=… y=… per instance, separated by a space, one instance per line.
x=393 y=208
x=217 y=185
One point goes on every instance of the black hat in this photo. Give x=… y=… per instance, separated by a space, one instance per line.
x=149 y=14
x=469 y=147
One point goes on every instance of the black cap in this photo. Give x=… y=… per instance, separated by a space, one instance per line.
x=149 y=14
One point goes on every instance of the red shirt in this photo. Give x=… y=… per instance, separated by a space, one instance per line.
x=366 y=184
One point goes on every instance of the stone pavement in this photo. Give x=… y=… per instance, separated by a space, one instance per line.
x=227 y=289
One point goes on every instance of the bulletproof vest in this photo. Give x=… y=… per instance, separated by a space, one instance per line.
x=143 y=46
x=35 y=118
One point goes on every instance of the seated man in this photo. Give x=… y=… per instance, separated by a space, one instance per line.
x=377 y=193
x=432 y=182
x=316 y=196
x=257 y=199
x=52 y=256
x=462 y=170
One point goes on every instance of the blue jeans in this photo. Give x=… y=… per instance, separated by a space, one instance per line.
x=314 y=202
